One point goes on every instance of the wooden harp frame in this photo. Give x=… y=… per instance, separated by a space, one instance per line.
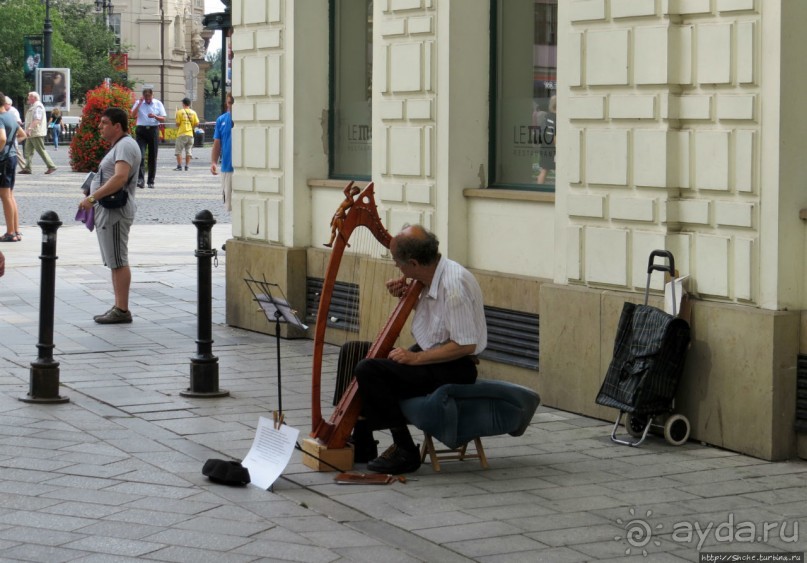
x=363 y=212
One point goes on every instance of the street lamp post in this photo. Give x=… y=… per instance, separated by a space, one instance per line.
x=105 y=7
x=221 y=21
x=47 y=32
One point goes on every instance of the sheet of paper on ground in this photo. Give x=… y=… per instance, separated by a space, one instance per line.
x=270 y=452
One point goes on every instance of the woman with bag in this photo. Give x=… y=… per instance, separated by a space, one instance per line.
x=55 y=125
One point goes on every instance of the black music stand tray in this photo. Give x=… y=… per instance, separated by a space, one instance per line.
x=274 y=307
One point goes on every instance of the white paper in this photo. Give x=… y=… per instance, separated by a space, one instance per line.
x=270 y=452
x=272 y=304
x=679 y=294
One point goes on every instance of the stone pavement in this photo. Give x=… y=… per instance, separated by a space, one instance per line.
x=115 y=473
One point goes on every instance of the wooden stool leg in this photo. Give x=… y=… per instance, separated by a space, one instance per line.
x=483 y=460
x=428 y=446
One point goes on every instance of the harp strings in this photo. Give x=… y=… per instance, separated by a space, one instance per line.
x=360 y=267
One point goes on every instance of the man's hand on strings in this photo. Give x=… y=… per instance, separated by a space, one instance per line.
x=397 y=287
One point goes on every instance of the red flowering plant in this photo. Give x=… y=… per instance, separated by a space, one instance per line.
x=87 y=147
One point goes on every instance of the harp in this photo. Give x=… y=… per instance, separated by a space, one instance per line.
x=357 y=211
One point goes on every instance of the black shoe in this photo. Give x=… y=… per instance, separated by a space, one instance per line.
x=395 y=461
x=179 y=168
x=151 y=186
x=141 y=185
x=364 y=451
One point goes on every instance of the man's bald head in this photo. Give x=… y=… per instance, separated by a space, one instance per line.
x=414 y=242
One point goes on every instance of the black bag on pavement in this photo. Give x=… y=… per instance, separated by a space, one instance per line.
x=226 y=472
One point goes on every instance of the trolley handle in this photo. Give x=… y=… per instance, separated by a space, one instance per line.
x=670 y=268
x=652 y=266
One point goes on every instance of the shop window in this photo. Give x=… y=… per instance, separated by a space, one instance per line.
x=524 y=40
x=350 y=136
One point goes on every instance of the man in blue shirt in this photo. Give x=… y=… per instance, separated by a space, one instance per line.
x=150 y=114
x=223 y=147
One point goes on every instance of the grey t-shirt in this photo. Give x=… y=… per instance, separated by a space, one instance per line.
x=10 y=124
x=127 y=150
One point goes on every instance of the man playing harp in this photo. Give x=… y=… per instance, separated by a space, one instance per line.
x=450 y=331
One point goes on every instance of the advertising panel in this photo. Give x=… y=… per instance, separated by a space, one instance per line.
x=53 y=85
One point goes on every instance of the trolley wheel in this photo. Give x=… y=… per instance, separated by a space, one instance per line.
x=635 y=424
x=676 y=429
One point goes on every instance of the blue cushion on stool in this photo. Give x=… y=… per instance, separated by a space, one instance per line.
x=455 y=414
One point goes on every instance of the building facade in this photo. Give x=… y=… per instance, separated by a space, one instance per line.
x=161 y=38
x=551 y=146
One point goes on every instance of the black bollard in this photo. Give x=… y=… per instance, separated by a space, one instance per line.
x=44 y=380
x=204 y=365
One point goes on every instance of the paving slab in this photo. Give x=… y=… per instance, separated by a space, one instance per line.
x=115 y=473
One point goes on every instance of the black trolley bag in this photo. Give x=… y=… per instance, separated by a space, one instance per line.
x=642 y=378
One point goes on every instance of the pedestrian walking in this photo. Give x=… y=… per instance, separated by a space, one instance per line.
x=223 y=148
x=55 y=126
x=117 y=172
x=36 y=129
x=150 y=114
x=10 y=131
x=186 y=120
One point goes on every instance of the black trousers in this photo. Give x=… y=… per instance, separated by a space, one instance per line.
x=384 y=383
x=147 y=138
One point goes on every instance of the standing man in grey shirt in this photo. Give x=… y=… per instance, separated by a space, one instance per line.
x=150 y=114
x=117 y=171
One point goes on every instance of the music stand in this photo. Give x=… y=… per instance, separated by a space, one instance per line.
x=279 y=309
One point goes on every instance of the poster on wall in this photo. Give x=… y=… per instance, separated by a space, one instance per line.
x=53 y=85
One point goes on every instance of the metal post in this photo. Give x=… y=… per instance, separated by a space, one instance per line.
x=204 y=365
x=278 y=316
x=47 y=32
x=44 y=380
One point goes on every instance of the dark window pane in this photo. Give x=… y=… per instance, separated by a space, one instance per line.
x=351 y=98
x=524 y=112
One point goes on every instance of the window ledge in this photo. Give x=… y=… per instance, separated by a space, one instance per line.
x=339 y=184
x=517 y=195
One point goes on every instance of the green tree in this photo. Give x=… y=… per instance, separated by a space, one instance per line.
x=80 y=42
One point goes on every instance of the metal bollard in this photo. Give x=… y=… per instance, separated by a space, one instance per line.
x=44 y=380
x=204 y=365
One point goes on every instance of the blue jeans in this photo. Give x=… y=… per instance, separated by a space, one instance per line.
x=56 y=132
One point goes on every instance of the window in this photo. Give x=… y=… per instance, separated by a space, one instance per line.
x=523 y=87
x=114 y=27
x=350 y=116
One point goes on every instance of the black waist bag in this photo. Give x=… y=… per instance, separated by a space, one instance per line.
x=116 y=200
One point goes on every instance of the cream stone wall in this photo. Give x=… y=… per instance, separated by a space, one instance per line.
x=661 y=128
x=430 y=114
